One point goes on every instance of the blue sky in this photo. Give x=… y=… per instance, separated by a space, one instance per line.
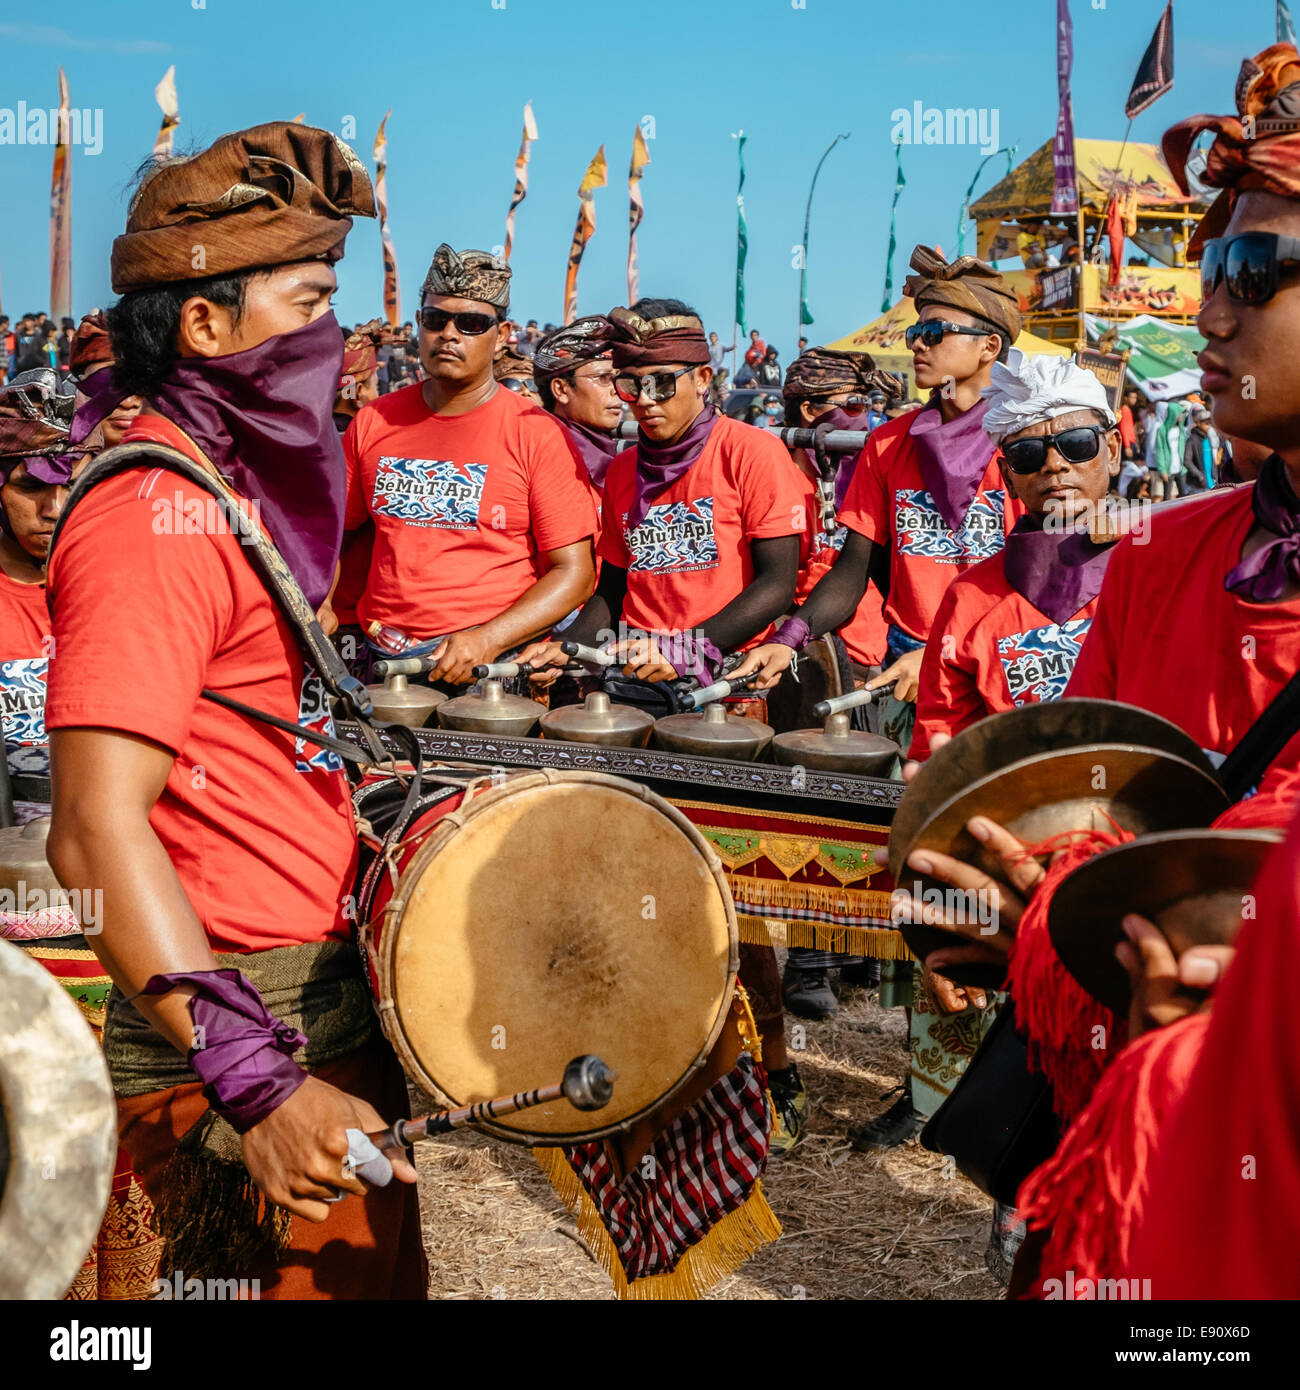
x=791 y=73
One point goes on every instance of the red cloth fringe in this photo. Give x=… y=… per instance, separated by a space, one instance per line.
x=1092 y=1191
x=1054 y=1012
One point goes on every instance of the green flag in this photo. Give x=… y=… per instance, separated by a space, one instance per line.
x=742 y=238
x=899 y=184
x=1285 y=29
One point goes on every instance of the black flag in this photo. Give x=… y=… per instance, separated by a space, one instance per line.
x=1155 y=74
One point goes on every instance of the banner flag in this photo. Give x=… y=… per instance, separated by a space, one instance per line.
x=392 y=297
x=521 y=175
x=597 y=176
x=636 y=209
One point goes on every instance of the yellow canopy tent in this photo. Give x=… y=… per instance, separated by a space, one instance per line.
x=883 y=339
x=1027 y=189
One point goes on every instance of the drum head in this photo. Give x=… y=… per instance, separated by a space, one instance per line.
x=558 y=914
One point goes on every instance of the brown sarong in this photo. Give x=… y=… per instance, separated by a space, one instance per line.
x=367 y=1247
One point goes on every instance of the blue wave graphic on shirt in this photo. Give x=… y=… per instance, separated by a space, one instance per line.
x=314 y=714
x=675 y=537
x=429 y=492
x=921 y=530
x=1038 y=663
x=22 y=700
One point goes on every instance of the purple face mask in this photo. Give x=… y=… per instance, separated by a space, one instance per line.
x=264 y=417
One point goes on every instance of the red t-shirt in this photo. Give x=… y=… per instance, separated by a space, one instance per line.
x=24 y=667
x=463 y=506
x=146 y=614
x=866 y=633
x=888 y=502
x=990 y=649
x=690 y=556
x=1169 y=637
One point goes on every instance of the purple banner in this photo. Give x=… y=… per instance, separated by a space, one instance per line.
x=1065 y=193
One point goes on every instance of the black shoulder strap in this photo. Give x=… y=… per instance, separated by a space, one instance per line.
x=271 y=568
x=1243 y=768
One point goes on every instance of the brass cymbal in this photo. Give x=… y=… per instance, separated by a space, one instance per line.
x=1190 y=883
x=58 y=1131
x=1012 y=735
x=1141 y=790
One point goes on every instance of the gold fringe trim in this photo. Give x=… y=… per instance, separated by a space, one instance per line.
x=880 y=943
x=848 y=902
x=740 y=1234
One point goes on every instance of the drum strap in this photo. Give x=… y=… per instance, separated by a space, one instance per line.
x=279 y=582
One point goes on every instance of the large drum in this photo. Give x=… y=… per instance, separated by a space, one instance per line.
x=531 y=917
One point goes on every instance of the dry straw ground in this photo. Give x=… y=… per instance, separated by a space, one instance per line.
x=855 y=1226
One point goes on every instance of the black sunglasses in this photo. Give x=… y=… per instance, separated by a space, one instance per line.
x=519 y=384
x=663 y=385
x=854 y=405
x=471 y=324
x=930 y=333
x=1247 y=264
x=1076 y=445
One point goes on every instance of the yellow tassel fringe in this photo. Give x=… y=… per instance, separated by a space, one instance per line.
x=880 y=943
x=740 y=1234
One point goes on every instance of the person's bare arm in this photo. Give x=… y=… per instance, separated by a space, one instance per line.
x=105 y=785
x=569 y=579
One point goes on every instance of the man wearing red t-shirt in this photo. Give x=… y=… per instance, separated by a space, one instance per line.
x=831 y=390
x=926 y=500
x=36 y=468
x=482 y=511
x=241 y=1034
x=1009 y=630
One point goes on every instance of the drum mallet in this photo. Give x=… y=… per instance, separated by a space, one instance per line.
x=850 y=701
x=403 y=666
x=503 y=670
x=694 y=699
x=588 y=1084
x=592 y=656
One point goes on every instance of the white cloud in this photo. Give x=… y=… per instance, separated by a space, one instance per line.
x=60 y=38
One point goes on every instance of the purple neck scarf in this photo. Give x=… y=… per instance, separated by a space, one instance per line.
x=1264 y=576
x=264 y=417
x=1059 y=572
x=839 y=419
x=658 y=466
x=953 y=456
x=596 y=448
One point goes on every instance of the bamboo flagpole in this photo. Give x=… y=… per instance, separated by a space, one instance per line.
x=61 y=214
x=597 y=176
x=636 y=209
x=165 y=95
x=392 y=294
x=805 y=313
x=521 y=175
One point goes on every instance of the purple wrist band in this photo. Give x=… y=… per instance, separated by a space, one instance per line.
x=243 y=1054
x=794 y=632
x=691 y=656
